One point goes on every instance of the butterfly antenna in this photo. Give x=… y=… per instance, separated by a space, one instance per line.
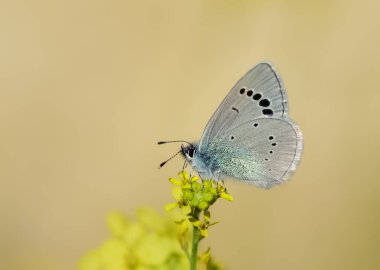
x=163 y=142
x=163 y=163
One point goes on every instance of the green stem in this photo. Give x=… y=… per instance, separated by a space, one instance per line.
x=194 y=249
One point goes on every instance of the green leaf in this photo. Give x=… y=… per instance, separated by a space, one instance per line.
x=171 y=206
x=177 y=193
x=204 y=232
x=226 y=196
x=186 y=209
x=175 y=181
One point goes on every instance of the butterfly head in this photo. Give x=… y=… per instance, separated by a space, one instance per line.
x=188 y=152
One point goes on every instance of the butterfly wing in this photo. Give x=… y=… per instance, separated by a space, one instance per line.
x=264 y=151
x=259 y=93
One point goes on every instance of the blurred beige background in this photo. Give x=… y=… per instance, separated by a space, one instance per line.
x=87 y=88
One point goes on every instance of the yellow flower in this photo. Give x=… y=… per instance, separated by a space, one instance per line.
x=161 y=242
x=194 y=196
x=151 y=242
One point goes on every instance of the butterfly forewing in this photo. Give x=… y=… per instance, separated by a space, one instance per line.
x=259 y=93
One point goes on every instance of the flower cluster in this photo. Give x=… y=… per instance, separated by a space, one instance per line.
x=194 y=197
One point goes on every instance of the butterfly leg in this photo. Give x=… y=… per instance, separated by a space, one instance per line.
x=184 y=165
x=201 y=177
x=217 y=173
x=224 y=185
x=218 y=180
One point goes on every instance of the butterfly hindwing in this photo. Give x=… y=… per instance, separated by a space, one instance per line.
x=264 y=151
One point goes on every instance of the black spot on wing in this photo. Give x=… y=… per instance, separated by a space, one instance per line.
x=257 y=96
x=234 y=109
x=264 y=103
x=268 y=112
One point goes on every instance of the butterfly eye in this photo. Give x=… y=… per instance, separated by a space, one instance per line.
x=191 y=152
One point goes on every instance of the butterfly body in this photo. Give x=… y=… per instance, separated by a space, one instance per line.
x=215 y=163
x=250 y=137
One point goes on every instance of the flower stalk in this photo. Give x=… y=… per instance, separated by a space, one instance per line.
x=194 y=248
x=193 y=200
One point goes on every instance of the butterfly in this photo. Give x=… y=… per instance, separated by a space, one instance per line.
x=250 y=137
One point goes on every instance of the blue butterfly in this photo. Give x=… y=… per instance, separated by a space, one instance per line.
x=250 y=137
